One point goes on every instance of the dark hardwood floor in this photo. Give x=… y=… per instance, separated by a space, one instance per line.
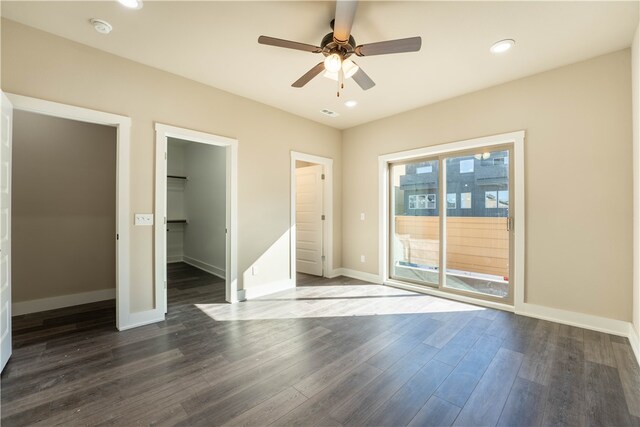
x=331 y=352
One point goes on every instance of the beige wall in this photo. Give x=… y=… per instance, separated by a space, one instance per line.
x=578 y=177
x=44 y=66
x=64 y=207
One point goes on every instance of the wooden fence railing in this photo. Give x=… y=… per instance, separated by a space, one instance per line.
x=475 y=244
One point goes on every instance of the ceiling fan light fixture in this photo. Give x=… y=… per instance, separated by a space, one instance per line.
x=349 y=68
x=332 y=63
x=502 y=46
x=131 y=4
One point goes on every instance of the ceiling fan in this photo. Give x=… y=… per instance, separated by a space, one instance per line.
x=339 y=45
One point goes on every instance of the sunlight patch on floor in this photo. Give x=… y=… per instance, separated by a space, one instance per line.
x=334 y=301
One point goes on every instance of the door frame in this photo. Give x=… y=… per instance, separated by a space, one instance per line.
x=163 y=132
x=327 y=206
x=516 y=139
x=124 y=318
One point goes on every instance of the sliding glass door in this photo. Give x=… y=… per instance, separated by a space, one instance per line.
x=451 y=222
x=415 y=224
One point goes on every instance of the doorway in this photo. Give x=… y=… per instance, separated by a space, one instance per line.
x=309 y=218
x=11 y=102
x=192 y=223
x=452 y=220
x=311 y=215
x=195 y=217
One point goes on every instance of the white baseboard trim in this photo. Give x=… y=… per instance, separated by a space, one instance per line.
x=572 y=318
x=44 y=304
x=142 y=318
x=360 y=275
x=269 y=288
x=216 y=271
x=174 y=258
x=333 y=273
x=634 y=340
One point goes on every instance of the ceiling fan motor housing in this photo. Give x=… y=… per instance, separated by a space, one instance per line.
x=330 y=46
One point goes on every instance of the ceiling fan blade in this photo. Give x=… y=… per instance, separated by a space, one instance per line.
x=306 y=78
x=345 y=12
x=272 y=41
x=363 y=79
x=411 y=44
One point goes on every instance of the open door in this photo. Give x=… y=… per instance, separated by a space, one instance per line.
x=5 y=231
x=309 y=220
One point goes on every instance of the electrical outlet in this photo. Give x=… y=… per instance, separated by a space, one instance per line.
x=362 y=216
x=361 y=258
x=143 y=219
x=254 y=270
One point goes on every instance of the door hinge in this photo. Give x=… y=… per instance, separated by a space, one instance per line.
x=322 y=217
x=509 y=223
x=165 y=155
x=117 y=237
x=165 y=284
x=165 y=220
x=323 y=257
x=322 y=176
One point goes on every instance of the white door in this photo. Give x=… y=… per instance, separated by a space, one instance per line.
x=5 y=231
x=309 y=220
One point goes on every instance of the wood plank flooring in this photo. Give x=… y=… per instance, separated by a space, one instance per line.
x=337 y=352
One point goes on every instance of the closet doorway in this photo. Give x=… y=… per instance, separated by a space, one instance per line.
x=196 y=213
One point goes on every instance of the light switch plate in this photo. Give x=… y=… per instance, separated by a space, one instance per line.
x=143 y=219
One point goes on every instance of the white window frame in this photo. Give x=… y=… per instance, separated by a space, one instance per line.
x=515 y=138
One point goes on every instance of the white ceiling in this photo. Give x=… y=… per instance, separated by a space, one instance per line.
x=215 y=43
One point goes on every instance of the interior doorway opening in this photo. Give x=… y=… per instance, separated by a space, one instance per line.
x=311 y=216
x=195 y=221
x=63 y=213
x=208 y=161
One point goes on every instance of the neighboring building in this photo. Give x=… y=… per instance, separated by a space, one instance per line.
x=477 y=186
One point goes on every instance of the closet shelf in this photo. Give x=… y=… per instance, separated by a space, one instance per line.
x=186 y=178
x=177 y=221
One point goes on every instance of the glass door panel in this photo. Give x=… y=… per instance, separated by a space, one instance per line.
x=477 y=237
x=415 y=222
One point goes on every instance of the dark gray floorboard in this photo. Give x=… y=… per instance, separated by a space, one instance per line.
x=332 y=352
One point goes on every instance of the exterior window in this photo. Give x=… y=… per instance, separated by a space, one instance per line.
x=465 y=201
x=424 y=169
x=451 y=200
x=490 y=199
x=431 y=201
x=413 y=202
x=466 y=166
x=503 y=199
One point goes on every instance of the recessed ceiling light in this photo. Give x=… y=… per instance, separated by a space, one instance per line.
x=502 y=46
x=131 y=4
x=351 y=103
x=101 y=26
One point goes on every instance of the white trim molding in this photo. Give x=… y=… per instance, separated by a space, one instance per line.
x=212 y=269
x=123 y=132
x=163 y=132
x=359 y=275
x=515 y=138
x=327 y=206
x=268 y=289
x=634 y=341
x=52 y=303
